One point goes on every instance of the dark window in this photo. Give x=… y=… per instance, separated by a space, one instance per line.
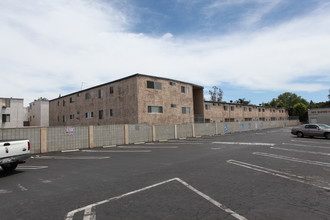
x=185 y=110
x=173 y=105
x=154 y=85
x=71 y=99
x=207 y=106
x=173 y=83
x=225 y=107
x=101 y=114
x=88 y=95
x=111 y=112
x=71 y=116
x=5 y=118
x=184 y=89
x=100 y=93
x=111 y=90
x=155 y=109
x=232 y=108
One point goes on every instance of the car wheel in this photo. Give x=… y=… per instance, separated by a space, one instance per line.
x=9 y=167
x=300 y=134
x=327 y=135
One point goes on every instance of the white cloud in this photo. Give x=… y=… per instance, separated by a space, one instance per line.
x=47 y=46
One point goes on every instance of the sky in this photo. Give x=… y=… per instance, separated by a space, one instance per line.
x=251 y=49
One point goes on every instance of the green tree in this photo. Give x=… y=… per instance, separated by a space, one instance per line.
x=216 y=94
x=300 y=110
x=287 y=100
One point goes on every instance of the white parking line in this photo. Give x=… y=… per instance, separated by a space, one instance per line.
x=322 y=141
x=148 y=147
x=22 y=167
x=304 y=145
x=301 y=151
x=71 y=214
x=90 y=213
x=293 y=159
x=245 y=143
x=117 y=151
x=277 y=173
x=70 y=158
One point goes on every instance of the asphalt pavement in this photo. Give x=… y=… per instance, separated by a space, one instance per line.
x=265 y=174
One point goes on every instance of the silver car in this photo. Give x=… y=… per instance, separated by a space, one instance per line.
x=312 y=130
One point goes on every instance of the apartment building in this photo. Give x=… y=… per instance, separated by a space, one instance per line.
x=38 y=113
x=139 y=99
x=136 y=99
x=13 y=114
x=231 y=112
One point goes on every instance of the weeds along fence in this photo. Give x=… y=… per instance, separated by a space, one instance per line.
x=53 y=139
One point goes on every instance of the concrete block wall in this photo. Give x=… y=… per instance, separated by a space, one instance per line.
x=205 y=129
x=164 y=132
x=53 y=139
x=185 y=130
x=107 y=135
x=67 y=138
x=139 y=133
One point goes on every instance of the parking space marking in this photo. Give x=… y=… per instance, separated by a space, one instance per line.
x=90 y=213
x=87 y=216
x=281 y=174
x=70 y=158
x=148 y=147
x=304 y=145
x=245 y=143
x=117 y=151
x=322 y=141
x=293 y=159
x=22 y=167
x=301 y=151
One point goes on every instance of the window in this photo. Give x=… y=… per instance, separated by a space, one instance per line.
x=250 y=109
x=207 y=106
x=245 y=109
x=63 y=102
x=154 y=85
x=101 y=114
x=5 y=103
x=58 y=103
x=232 y=108
x=185 y=110
x=111 y=90
x=172 y=83
x=88 y=95
x=100 y=93
x=155 y=109
x=71 y=116
x=184 y=89
x=247 y=119
x=111 y=112
x=225 y=107
x=63 y=118
x=5 y=118
x=173 y=105
x=78 y=94
x=89 y=115
x=71 y=100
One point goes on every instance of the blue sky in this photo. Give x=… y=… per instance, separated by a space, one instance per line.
x=252 y=49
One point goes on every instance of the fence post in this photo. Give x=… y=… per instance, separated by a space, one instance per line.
x=193 y=130
x=126 y=134
x=175 y=131
x=91 y=136
x=153 y=133
x=43 y=140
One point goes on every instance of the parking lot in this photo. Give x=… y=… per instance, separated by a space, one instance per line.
x=265 y=174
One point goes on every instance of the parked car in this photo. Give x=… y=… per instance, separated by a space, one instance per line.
x=312 y=130
x=13 y=152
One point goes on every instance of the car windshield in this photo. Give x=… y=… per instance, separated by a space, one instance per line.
x=324 y=126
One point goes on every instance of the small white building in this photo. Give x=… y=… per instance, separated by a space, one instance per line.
x=319 y=115
x=38 y=113
x=12 y=113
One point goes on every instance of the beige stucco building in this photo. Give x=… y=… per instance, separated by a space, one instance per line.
x=231 y=112
x=140 y=99
x=13 y=114
x=136 y=99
